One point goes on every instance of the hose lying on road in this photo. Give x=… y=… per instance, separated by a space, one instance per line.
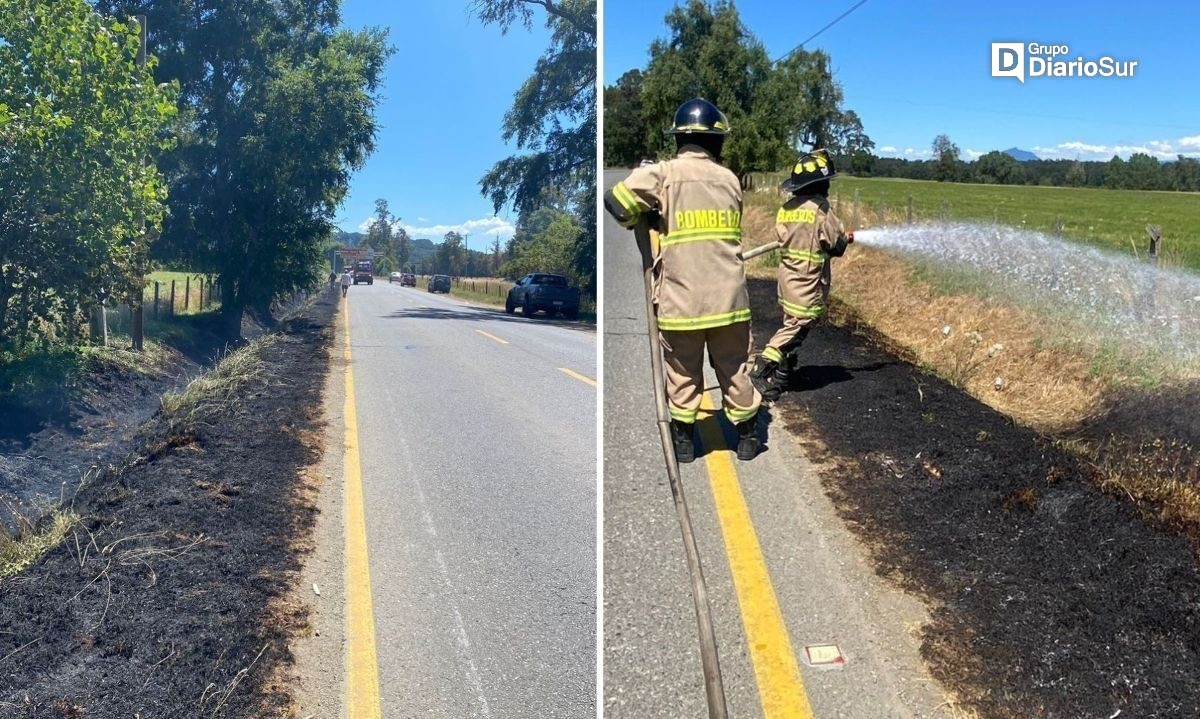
x=713 y=687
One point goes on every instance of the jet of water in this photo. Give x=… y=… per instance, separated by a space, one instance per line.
x=1122 y=298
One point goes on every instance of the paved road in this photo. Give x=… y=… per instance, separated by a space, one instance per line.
x=479 y=480
x=825 y=590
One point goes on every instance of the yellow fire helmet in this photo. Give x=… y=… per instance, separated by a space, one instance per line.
x=813 y=167
x=700 y=117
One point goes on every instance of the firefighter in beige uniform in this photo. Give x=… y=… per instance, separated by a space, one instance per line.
x=810 y=234
x=700 y=283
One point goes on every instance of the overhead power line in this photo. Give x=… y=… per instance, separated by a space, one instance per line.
x=835 y=21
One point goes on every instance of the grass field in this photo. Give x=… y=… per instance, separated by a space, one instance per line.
x=1113 y=219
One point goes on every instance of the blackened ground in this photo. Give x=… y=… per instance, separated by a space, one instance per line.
x=172 y=602
x=63 y=416
x=1048 y=598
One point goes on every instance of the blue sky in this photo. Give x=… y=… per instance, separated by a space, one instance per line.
x=446 y=90
x=915 y=69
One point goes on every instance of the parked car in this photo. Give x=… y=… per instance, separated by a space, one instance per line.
x=408 y=279
x=439 y=283
x=548 y=293
x=395 y=277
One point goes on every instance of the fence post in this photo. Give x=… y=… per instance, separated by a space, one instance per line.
x=854 y=222
x=910 y=209
x=945 y=210
x=156 y=299
x=1058 y=226
x=1155 y=232
x=172 y=312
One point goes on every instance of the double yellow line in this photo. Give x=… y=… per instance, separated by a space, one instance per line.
x=362 y=667
x=780 y=688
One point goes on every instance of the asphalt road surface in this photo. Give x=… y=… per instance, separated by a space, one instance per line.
x=779 y=564
x=477 y=442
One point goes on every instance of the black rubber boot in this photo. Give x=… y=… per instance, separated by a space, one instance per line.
x=748 y=444
x=681 y=438
x=769 y=378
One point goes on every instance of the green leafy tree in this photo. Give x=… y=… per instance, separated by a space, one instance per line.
x=999 y=168
x=552 y=121
x=450 y=257
x=1143 y=172
x=80 y=126
x=545 y=246
x=1116 y=174
x=625 y=126
x=947 y=166
x=773 y=108
x=277 y=108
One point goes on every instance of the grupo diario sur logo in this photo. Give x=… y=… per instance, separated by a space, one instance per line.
x=1033 y=59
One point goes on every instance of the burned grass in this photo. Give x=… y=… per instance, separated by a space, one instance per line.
x=1049 y=596
x=169 y=598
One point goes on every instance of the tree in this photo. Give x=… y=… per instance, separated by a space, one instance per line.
x=379 y=238
x=709 y=53
x=552 y=120
x=494 y=268
x=999 y=168
x=946 y=159
x=1076 y=175
x=625 y=126
x=1143 y=172
x=449 y=258
x=277 y=107
x=1116 y=174
x=77 y=118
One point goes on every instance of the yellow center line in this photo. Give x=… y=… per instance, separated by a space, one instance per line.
x=577 y=376
x=362 y=670
x=492 y=337
x=776 y=670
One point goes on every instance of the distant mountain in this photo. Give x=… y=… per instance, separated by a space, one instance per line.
x=1021 y=155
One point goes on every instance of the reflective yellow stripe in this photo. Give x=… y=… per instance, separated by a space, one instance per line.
x=804 y=256
x=801 y=310
x=679 y=414
x=772 y=355
x=736 y=415
x=681 y=236
x=705 y=322
x=626 y=198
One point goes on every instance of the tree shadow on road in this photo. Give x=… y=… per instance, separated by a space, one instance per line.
x=484 y=313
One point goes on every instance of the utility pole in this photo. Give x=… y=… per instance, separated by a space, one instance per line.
x=138 y=330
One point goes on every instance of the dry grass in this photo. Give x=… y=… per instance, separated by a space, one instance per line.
x=998 y=353
x=23 y=550
x=216 y=390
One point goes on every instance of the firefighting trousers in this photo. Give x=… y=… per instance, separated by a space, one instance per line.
x=803 y=295
x=787 y=338
x=728 y=352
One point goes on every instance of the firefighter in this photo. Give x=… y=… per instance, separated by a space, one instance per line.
x=699 y=280
x=810 y=234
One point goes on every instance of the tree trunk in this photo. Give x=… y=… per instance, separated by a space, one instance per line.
x=231 y=311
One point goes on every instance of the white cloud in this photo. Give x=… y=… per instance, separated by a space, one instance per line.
x=483 y=227
x=888 y=150
x=974 y=154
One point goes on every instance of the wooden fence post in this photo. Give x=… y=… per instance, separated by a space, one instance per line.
x=1058 y=226
x=156 y=299
x=1155 y=232
x=187 y=293
x=172 y=312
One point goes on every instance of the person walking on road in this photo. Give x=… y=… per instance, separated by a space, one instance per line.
x=810 y=234
x=700 y=293
x=347 y=278
x=332 y=278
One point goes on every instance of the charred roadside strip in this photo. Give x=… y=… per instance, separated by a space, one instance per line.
x=169 y=597
x=1048 y=596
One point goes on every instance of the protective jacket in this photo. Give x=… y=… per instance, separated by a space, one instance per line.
x=700 y=281
x=811 y=233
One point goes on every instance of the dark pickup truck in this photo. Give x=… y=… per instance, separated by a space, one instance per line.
x=548 y=293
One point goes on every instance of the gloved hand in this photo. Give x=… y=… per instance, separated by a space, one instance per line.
x=850 y=237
